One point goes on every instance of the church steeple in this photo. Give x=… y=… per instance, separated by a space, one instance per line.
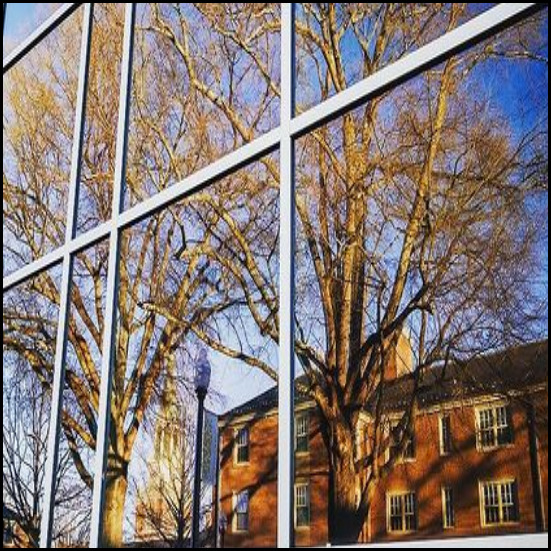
x=170 y=424
x=167 y=480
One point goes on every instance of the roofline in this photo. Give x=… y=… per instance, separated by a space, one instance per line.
x=451 y=403
x=229 y=419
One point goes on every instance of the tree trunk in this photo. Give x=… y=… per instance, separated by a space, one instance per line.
x=346 y=517
x=115 y=501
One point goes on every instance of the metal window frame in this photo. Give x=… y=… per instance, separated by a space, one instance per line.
x=283 y=139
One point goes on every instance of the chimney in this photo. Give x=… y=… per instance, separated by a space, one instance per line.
x=401 y=360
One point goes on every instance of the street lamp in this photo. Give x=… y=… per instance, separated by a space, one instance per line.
x=203 y=373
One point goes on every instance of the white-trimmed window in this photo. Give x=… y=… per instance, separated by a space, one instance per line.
x=402 y=513
x=402 y=444
x=242 y=446
x=241 y=517
x=446 y=436
x=499 y=503
x=302 y=506
x=448 y=508
x=303 y=434
x=495 y=428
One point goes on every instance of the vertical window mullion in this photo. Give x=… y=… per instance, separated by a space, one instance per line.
x=109 y=337
x=286 y=473
x=54 y=436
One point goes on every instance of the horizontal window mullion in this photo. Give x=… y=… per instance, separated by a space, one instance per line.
x=39 y=34
x=502 y=16
x=433 y=54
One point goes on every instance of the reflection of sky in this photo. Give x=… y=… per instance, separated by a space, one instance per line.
x=236 y=382
x=308 y=92
x=22 y=19
x=519 y=90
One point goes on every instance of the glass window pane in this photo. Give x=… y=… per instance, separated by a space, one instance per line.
x=338 y=45
x=448 y=496
x=22 y=19
x=206 y=81
x=38 y=125
x=81 y=393
x=422 y=243
x=446 y=435
x=201 y=275
x=303 y=434
x=30 y=317
x=102 y=114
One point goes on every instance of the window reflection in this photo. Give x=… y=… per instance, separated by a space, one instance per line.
x=206 y=81
x=338 y=45
x=422 y=298
x=421 y=308
x=22 y=20
x=38 y=123
x=102 y=109
x=81 y=393
x=200 y=275
x=29 y=331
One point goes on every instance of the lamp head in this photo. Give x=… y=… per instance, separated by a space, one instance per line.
x=203 y=372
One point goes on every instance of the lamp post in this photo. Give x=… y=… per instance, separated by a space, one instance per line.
x=203 y=372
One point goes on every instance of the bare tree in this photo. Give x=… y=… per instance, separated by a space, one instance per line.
x=416 y=215
x=37 y=127
x=26 y=415
x=27 y=411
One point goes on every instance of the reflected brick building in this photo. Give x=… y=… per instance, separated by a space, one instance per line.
x=478 y=464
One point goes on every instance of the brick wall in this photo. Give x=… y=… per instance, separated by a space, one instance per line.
x=427 y=475
x=259 y=477
x=463 y=470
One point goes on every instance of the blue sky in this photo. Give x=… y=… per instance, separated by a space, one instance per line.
x=22 y=19
x=235 y=381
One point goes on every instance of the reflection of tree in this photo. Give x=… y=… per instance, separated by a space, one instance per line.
x=25 y=434
x=164 y=490
x=420 y=214
x=25 y=438
x=412 y=210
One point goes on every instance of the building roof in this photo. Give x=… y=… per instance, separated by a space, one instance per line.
x=503 y=372
x=262 y=404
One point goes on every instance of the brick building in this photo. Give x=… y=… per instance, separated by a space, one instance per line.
x=477 y=464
